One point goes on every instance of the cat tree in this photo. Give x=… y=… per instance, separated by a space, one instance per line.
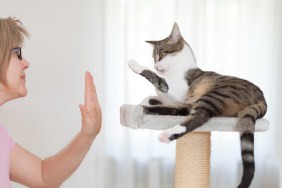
x=193 y=150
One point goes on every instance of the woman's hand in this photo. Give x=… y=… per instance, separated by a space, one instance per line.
x=54 y=170
x=91 y=110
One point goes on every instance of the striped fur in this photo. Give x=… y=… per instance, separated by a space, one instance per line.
x=185 y=90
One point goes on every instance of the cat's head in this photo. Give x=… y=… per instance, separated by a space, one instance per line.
x=170 y=50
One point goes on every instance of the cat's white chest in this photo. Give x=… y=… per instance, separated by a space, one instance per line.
x=177 y=92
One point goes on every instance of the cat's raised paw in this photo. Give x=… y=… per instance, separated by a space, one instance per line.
x=135 y=66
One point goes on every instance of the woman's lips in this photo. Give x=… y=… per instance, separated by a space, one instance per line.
x=23 y=77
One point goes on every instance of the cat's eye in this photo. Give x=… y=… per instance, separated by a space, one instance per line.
x=177 y=50
x=163 y=54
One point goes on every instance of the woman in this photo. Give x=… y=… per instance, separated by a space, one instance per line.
x=16 y=163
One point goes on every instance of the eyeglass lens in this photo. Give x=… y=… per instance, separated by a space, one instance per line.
x=18 y=52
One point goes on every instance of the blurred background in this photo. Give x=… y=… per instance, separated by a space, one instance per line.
x=233 y=37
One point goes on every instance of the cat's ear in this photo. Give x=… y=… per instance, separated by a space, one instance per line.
x=175 y=35
x=152 y=42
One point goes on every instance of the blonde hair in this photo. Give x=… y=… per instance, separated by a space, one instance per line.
x=12 y=35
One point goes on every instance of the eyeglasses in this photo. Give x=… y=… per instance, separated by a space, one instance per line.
x=18 y=52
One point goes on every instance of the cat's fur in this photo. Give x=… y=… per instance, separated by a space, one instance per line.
x=184 y=89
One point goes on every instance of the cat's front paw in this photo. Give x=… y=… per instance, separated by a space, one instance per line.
x=151 y=100
x=172 y=133
x=135 y=66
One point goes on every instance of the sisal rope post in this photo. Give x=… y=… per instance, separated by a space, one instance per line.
x=192 y=168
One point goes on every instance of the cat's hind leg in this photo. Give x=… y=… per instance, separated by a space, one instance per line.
x=175 y=132
x=198 y=116
x=201 y=112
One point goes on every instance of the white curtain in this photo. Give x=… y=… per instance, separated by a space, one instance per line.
x=239 y=38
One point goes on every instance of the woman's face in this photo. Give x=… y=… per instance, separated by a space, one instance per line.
x=16 y=85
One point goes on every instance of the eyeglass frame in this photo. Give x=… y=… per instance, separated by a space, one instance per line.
x=18 y=52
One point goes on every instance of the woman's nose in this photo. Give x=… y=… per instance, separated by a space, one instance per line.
x=25 y=63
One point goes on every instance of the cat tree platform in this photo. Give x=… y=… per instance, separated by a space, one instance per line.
x=193 y=150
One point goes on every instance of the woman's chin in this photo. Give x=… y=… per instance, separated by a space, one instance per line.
x=23 y=93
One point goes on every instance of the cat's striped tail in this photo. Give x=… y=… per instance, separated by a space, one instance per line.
x=246 y=124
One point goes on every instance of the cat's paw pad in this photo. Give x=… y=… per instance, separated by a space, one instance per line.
x=135 y=66
x=164 y=137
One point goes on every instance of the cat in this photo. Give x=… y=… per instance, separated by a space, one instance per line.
x=183 y=89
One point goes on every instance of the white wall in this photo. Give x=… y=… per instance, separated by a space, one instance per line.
x=65 y=42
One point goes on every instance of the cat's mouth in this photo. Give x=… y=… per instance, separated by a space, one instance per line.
x=161 y=70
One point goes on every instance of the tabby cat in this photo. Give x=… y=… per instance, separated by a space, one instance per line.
x=185 y=90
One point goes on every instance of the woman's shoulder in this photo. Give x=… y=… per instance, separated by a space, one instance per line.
x=6 y=139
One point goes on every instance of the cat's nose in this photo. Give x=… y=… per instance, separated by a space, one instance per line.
x=157 y=67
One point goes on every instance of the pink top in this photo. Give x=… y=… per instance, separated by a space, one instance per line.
x=6 y=144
